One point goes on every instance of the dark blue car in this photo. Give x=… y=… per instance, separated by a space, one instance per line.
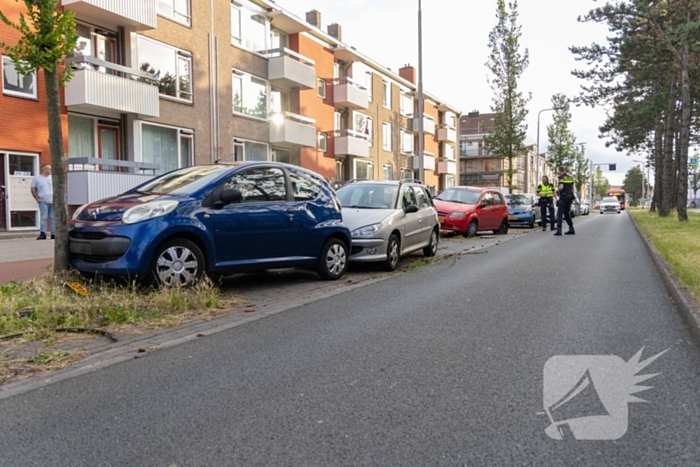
x=218 y=219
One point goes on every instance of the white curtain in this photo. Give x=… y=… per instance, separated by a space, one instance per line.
x=160 y=146
x=81 y=137
x=255 y=151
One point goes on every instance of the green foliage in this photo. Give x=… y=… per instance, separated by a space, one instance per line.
x=601 y=185
x=507 y=65
x=562 y=149
x=634 y=185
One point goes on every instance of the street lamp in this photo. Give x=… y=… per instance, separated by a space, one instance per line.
x=537 y=156
x=421 y=169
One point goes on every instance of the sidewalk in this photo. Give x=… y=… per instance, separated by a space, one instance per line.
x=24 y=258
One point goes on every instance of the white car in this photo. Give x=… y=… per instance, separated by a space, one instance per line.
x=610 y=204
x=585 y=208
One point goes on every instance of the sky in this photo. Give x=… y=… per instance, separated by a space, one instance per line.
x=455 y=51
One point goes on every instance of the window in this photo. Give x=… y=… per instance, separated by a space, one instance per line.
x=449 y=181
x=249 y=95
x=81 y=136
x=498 y=199
x=407 y=174
x=281 y=155
x=170 y=148
x=340 y=173
x=249 y=151
x=387 y=172
x=409 y=197
x=407 y=140
x=487 y=200
x=386 y=94
x=250 y=28
x=172 y=66
x=259 y=185
x=14 y=84
x=179 y=10
x=322 y=88
x=279 y=102
x=322 y=142
x=421 y=197
x=363 y=126
x=450 y=152
x=95 y=42
x=406 y=104
x=362 y=74
x=306 y=186
x=278 y=39
x=386 y=136
x=364 y=170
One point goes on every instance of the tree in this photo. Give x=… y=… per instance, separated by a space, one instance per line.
x=581 y=169
x=48 y=36
x=561 y=149
x=695 y=183
x=634 y=185
x=507 y=65
x=601 y=185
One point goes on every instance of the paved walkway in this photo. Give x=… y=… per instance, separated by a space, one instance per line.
x=24 y=258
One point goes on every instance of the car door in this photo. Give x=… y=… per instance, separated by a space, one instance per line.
x=486 y=217
x=306 y=211
x=426 y=214
x=411 y=222
x=259 y=228
x=500 y=208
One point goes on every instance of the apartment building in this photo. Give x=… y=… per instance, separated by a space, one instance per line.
x=164 y=84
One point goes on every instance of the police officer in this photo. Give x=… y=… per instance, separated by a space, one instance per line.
x=545 y=191
x=566 y=198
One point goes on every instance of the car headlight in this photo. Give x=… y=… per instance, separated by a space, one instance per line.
x=367 y=230
x=147 y=211
x=457 y=215
x=78 y=211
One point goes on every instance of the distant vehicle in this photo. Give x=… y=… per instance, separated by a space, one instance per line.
x=523 y=209
x=469 y=210
x=610 y=204
x=585 y=208
x=620 y=195
x=388 y=220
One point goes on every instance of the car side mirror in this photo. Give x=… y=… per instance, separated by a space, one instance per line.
x=230 y=196
x=410 y=209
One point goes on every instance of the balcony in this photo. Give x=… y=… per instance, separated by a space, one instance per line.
x=287 y=69
x=447 y=167
x=139 y=14
x=347 y=93
x=428 y=162
x=428 y=124
x=350 y=143
x=92 y=179
x=102 y=87
x=292 y=131
x=446 y=133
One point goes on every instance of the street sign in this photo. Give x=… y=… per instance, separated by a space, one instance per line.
x=612 y=167
x=694 y=161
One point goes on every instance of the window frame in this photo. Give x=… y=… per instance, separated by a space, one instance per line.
x=391 y=171
x=370 y=168
x=370 y=126
x=239 y=142
x=180 y=55
x=236 y=73
x=322 y=137
x=386 y=146
x=294 y=171
x=188 y=17
x=406 y=112
x=386 y=94
x=10 y=93
x=412 y=152
x=321 y=88
x=287 y=194
x=182 y=132
x=240 y=6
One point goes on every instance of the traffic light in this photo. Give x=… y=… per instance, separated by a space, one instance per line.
x=612 y=167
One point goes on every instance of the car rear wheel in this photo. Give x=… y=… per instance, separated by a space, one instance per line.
x=472 y=229
x=393 y=254
x=532 y=223
x=333 y=261
x=432 y=248
x=503 y=229
x=177 y=263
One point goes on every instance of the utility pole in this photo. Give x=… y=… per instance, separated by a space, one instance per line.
x=421 y=167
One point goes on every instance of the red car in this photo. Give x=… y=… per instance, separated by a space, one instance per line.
x=469 y=210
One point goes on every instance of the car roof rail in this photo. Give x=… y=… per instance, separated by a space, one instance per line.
x=410 y=180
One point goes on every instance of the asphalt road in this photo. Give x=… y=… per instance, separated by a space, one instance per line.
x=440 y=366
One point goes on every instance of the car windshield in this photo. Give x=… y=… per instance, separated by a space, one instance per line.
x=459 y=195
x=181 y=182
x=610 y=200
x=368 y=196
x=519 y=200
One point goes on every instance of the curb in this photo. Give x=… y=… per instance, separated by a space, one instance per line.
x=683 y=299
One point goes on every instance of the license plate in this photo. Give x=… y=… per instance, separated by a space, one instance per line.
x=512 y=218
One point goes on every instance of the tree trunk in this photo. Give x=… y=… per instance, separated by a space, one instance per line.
x=667 y=163
x=682 y=183
x=676 y=162
x=59 y=175
x=658 y=163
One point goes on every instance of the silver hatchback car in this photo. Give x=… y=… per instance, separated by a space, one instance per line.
x=389 y=219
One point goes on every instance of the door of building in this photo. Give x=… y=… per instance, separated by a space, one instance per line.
x=21 y=205
x=108 y=144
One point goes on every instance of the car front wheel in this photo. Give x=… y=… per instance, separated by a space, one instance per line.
x=177 y=263
x=432 y=248
x=393 y=253
x=472 y=229
x=333 y=261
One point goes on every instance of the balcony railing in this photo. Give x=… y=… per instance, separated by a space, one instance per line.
x=288 y=69
x=447 y=166
x=348 y=93
x=91 y=179
x=351 y=143
x=428 y=162
x=446 y=133
x=99 y=85
x=428 y=123
x=139 y=14
x=292 y=131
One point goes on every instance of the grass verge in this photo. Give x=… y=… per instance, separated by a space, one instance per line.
x=38 y=307
x=677 y=242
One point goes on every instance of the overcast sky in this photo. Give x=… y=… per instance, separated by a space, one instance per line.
x=455 y=50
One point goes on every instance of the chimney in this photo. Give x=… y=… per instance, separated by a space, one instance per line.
x=313 y=17
x=408 y=73
x=473 y=114
x=336 y=30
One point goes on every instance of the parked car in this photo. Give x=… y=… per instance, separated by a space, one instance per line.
x=469 y=210
x=610 y=204
x=585 y=208
x=523 y=209
x=218 y=219
x=388 y=220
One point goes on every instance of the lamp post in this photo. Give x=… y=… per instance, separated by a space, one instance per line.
x=537 y=156
x=421 y=168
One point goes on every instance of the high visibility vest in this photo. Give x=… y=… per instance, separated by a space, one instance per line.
x=546 y=191
x=568 y=182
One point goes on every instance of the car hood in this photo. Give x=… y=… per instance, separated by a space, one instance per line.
x=448 y=206
x=355 y=218
x=111 y=209
x=518 y=208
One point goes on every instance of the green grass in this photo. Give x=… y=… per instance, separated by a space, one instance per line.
x=40 y=306
x=677 y=242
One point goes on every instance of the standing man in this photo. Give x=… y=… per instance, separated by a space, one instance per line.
x=545 y=191
x=42 y=190
x=566 y=198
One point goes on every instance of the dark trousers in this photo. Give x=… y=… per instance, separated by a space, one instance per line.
x=545 y=205
x=564 y=209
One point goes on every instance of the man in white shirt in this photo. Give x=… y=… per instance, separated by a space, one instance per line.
x=42 y=190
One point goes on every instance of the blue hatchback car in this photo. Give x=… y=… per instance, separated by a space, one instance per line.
x=216 y=219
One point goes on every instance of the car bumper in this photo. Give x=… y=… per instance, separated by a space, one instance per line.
x=454 y=225
x=367 y=250
x=521 y=219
